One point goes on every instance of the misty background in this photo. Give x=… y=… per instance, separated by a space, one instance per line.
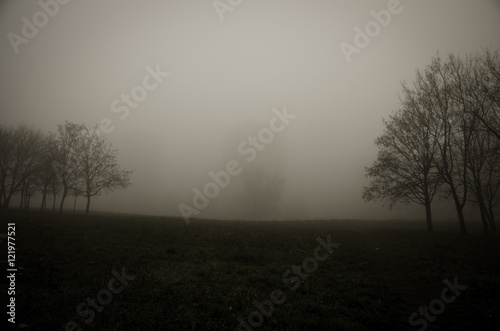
x=225 y=79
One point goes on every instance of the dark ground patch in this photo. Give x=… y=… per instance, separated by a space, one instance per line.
x=204 y=275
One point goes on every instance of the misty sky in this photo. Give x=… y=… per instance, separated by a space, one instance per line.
x=225 y=78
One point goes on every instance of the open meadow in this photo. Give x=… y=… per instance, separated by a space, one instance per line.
x=120 y=272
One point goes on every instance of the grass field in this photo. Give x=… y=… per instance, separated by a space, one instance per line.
x=206 y=275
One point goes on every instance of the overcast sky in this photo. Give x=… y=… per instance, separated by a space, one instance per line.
x=228 y=68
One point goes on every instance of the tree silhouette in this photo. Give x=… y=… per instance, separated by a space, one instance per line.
x=18 y=160
x=446 y=132
x=66 y=164
x=484 y=72
x=404 y=171
x=99 y=169
x=46 y=178
x=72 y=161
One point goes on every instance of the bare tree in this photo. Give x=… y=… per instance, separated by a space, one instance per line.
x=19 y=161
x=440 y=87
x=484 y=104
x=451 y=114
x=492 y=184
x=76 y=191
x=99 y=169
x=28 y=189
x=67 y=161
x=484 y=178
x=72 y=161
x=475 y=91
x=46 y=177
x=485 y=72
x=404 y=171
x=6 y=160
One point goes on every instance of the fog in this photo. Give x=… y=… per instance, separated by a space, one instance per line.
x=211 y=83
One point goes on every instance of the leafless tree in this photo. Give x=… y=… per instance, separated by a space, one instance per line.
x=6 y=160
x=67 y=161
x=19 y=160
x=485 y=73
x=484 y=181
x=475 y=91
x=453 y=110
x=492 y=184
x=46 y=177
x=76 y=191
x=72 y=161
x=99 y=169
x=404 y=171
x=438 y=85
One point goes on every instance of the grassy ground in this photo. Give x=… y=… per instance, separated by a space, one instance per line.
x=205 y=275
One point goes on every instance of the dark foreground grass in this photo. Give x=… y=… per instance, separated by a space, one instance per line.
x=205 y=275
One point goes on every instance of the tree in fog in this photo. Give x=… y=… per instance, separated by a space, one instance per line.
x=456 y=128
x=75 y=192
x=476 y=82
x=98 y=167
x=484 y=70
x=484 y=176
x=31 y=167
x=18 y=161
x=262 y=192
x=491 y=177
x=6 y=156
x=450 y=91
x=453 y=107
x=67 y=162
x=72 y=161
x=464 y=134
x=54 y=172
x=46 y=177
x=404 y=171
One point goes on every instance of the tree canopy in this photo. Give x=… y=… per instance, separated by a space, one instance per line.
x=71 y=161
x=444 y=139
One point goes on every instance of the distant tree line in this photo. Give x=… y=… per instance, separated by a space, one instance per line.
x=444 y=141
x=73 y=161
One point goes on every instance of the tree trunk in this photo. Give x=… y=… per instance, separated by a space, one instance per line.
x=22 y=197
x=428 y=216
x=74 y=205
x=88 y=206
x=461 y=220
x=44 y=195
x=484 y=218
x=54 y=195
x=493 y=226
x=460 y=213
x=62 y=203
